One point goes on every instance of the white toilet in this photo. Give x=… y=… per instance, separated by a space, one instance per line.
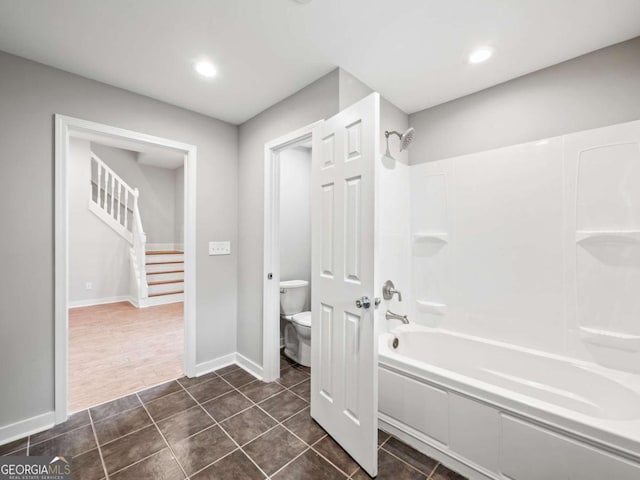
x=297 y=333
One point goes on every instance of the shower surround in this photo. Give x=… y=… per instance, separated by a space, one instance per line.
x=524 y=268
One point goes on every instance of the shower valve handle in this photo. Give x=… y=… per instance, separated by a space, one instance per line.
x=389 y=290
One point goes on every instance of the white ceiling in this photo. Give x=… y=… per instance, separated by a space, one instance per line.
x=412 y=51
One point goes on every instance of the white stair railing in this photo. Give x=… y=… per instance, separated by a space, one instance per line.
x=116 y=204
x=138 y=253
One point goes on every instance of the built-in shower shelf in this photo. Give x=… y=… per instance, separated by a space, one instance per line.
x=607 y=235
x=610 y=338
x=431 y=237
x=431 y=307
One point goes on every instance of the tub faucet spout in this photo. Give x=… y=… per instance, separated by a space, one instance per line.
x=394 y=316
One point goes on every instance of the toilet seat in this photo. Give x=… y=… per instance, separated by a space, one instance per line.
x=303 y=319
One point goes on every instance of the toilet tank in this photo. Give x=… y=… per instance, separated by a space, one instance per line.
x=293 y=296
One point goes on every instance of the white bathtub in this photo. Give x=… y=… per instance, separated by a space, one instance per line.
x=495 y=411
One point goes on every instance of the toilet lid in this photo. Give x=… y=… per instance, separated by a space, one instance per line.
x=302 y=318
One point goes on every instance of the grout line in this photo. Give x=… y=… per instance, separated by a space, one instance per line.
x=276 y=425
x=31 y=444
x=281 y=392
x=245 y=444
x=95 y=436
x=238 y=413
x=117 y=413
x=138 y=461
x=307 y=444
x=432 y=471
x=299 y=396
x=333 y=464
x=124 y=396
x=227 y=434
x=163 y=437
x=203 y=380
x=314 y=448
x=70 y=431
x=407 y=464
x=143 y=406
x=238 y=367
x=264 y=399
x=127 y=434
x=218 y=460
x=290 y=461
x=208 y=399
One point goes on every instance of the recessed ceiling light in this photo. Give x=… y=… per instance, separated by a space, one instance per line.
x=205 y=68
x=480 y=55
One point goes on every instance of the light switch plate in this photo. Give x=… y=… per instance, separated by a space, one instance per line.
x=219 y=248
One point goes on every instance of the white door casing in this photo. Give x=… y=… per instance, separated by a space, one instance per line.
x=65 y=128
x=344 y=363
x=271 y=282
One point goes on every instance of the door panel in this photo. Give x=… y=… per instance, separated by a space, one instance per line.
x=344 y=382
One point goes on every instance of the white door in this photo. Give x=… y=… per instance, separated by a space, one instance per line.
x=344 y=360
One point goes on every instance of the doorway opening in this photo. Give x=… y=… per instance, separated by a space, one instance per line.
x=125 y=263
x=344 y=362
x=287 y=288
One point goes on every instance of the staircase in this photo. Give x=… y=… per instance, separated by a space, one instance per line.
x=165 y=276
x=157 y=276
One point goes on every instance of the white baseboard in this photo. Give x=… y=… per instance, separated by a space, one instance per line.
x=230 y=359
x=250 y=366
x=160 y=300
x=29 y=426
x=215 y=364
x=99 y=301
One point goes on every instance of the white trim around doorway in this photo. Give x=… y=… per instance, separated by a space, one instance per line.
x=65 y=128
x=271 y=278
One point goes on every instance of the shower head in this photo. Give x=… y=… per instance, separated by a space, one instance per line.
x=405 y=138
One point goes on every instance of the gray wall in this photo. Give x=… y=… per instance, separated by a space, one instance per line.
x=295 y=214
x=157 y=188
x=597 y=89
x=295 y=218
x=31 y=94
x=97 y=254
x=320 y=100
x=350 y=89
x=314 y=102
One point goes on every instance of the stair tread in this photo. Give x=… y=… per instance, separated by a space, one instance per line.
x=164 y=252
x=164 y=271
x=165 y=293
x=164 y=282
x=164 y=263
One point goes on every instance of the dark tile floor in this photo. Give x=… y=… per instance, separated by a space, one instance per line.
x=223 y=425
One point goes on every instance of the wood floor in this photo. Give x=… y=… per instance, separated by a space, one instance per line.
x=118 y=349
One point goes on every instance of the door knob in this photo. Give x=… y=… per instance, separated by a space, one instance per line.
x=363 y=302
